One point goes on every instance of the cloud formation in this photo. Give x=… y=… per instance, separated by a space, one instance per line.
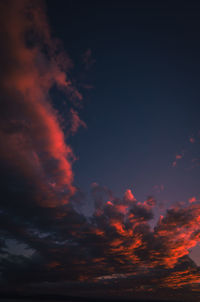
x=31 y=136
x=117 y=244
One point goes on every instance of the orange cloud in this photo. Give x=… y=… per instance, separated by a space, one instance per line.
x=179 y=279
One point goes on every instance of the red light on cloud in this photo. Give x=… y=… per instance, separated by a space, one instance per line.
x=179 y=279
x=109 y=203
x=174 y=164
x=129 y=195
x=39 y=133
x=122 y=208
x=192 y=140
x=192 y=199
x=76 y=122
x=179 y=156
x=118 y=226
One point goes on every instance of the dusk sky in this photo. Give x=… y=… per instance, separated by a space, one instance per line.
x=100 y=148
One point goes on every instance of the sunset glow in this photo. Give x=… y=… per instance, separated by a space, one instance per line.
x=99 y=154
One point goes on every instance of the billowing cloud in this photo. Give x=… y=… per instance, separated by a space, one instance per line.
x=31 y=135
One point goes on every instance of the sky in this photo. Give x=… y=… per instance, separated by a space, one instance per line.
x=100 y=141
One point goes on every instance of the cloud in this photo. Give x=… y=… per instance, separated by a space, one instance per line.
x=177 y=158
x=116 y=245
x=87 y=59
x=192 y=199
x=31 y=135
x=129 y=195
x=192 y=140
x=76 y=122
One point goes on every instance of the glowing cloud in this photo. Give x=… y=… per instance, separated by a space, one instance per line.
x=31 y=135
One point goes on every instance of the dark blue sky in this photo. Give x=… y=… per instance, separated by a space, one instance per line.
x=144 y=104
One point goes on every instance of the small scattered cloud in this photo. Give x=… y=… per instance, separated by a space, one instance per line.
x=177 y=158
x=192 y=140
x=158 y=188
x=87 y=59
x=76 y=122
x=192 y=199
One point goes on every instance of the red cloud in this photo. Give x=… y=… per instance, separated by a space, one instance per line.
x=192 y=199
x=192 y=140
x=174 y=164
x=129 y=195
x=179 y=279
x=31 y=135
x=76 y=122
x=179 y=156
